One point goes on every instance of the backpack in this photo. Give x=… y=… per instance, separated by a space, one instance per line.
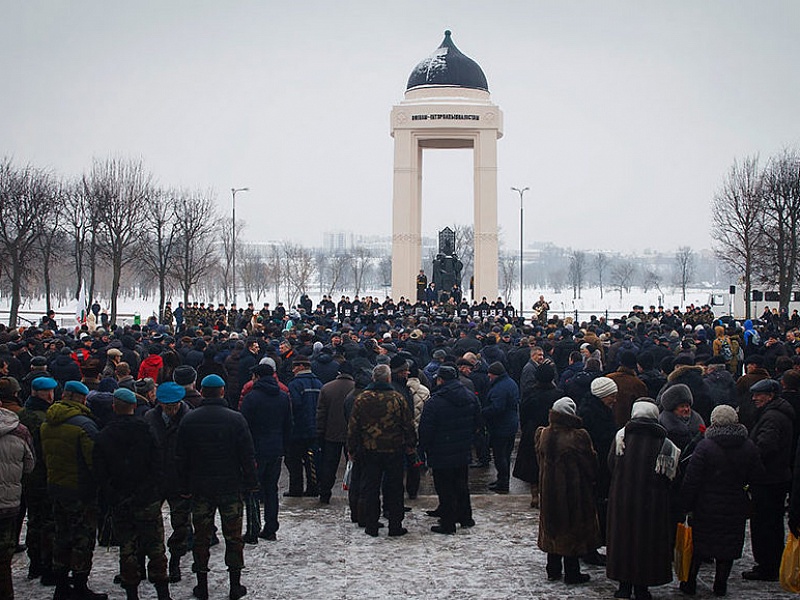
x=725 y=349
x=755 y=339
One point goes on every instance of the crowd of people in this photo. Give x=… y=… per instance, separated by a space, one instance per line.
x=623 y=429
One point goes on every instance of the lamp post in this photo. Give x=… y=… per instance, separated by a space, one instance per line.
x=521 y=193
x=233 y=238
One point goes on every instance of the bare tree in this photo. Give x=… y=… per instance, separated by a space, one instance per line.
x=299 y=269
x=51 y=241
x=509 y=270
x=251 y=272
x=335 y=267
x=601 y=263
x=622 y=274
x=577 y=272
x=359 y=265
x=194 y=255
x=25 y=194
x=684 y=269
x=122 y=189
x=779 y=252
x=79 y=225
x=158 y=241
x=736 y=231
x=651 y=279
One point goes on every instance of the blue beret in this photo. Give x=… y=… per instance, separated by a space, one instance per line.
x=125 y=395
x=76 y=387
x=43 y=383
x=170 y=393
x=212 y=381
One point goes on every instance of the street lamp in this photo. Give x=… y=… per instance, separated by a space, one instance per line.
x=233 y=237
x=521 y=193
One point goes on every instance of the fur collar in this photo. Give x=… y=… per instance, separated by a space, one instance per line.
x=564 y=420
x=683 y=370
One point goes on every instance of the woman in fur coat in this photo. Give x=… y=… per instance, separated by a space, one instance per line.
x=568 y=524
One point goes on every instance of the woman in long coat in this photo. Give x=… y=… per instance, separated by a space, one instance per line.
x=722 y=465
x=643 y=463
x=568 y=524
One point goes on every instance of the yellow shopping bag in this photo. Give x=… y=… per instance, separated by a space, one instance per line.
x=683 y=551
x=790 y=565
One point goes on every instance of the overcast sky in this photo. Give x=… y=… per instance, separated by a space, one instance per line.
x=622 y=117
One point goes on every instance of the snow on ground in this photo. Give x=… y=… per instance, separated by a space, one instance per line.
x=321 y=555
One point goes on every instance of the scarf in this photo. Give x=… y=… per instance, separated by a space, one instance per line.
x=667 y=460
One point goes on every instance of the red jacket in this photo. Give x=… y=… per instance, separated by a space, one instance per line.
x=150 y=367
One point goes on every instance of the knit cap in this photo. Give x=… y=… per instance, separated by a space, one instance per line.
x=724 y=415
x=565 y=406
x=603 y=386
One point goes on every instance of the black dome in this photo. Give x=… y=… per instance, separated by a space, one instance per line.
x=447 y=66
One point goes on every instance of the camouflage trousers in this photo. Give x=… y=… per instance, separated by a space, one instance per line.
x=140 y=531
x=75 y=532
x=41 y=529
x=180 y=517
x=230 y=511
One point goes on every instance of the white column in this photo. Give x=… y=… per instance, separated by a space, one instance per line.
x=406 y=215
x=486 y=252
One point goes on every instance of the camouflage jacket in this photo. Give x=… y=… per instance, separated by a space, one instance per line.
x=381 y=421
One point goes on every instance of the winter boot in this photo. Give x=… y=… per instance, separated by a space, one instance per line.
x=201 y=589
x=689 y=587
x=553 y=567
x=237 y=589
x=162 y=589
x=723 y=571
x=80 y=591
x=34 y=570
x=174 y=568
x=132 y=592
x=63 y=589
x=572 y=571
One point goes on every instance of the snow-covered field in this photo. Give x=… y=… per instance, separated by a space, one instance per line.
x=321 y=555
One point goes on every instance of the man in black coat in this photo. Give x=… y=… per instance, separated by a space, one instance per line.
x=268 y=412
x=164 y=421
x=216 y=463
x=332 y=427
x=772 y=435
x=449 y=418
x=127 y=464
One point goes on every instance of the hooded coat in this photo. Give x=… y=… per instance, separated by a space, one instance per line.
x=67 y=442
x=151 y=367
x=639 y=519
x=16 y=458
x=568 y=523
x=722 y=465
